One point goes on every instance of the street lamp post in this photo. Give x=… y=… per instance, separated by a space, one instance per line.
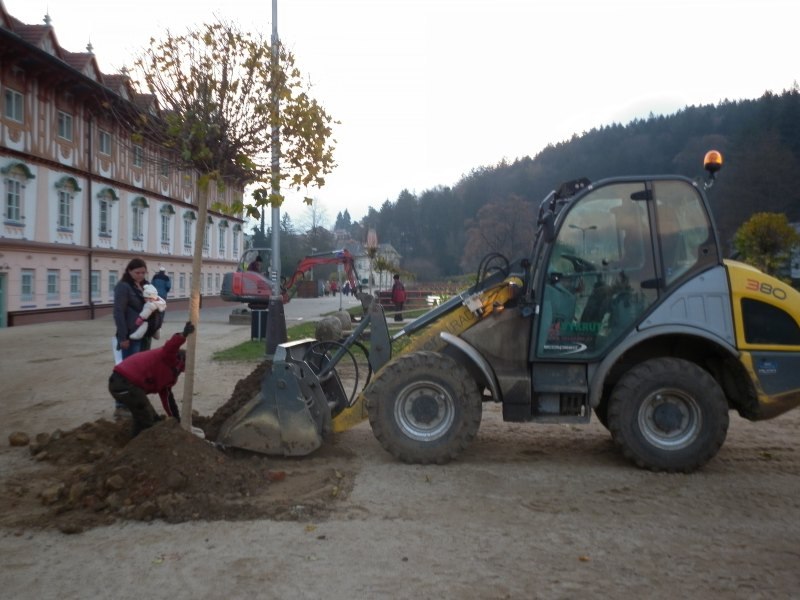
x=275 y=150
x=372 y=252
x=583 y=231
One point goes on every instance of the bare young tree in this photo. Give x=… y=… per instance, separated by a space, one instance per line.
x=218 y=94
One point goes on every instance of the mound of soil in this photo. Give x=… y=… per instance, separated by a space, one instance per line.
x=97 y=473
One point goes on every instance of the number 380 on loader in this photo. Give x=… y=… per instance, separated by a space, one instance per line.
x=625 y=308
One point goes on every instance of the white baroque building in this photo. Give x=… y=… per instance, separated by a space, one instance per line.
x=81 y=196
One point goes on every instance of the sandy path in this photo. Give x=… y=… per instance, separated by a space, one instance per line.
x=528 y=512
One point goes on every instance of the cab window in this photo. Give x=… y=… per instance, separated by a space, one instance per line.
x=684 y=229
x=600 y=273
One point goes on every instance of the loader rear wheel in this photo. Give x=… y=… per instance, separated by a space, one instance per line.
x=601 y=412
x=424 y=408
x=668 y=414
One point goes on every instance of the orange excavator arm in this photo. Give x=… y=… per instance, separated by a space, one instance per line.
x=334 y=257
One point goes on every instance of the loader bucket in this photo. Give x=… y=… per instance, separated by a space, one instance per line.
x=290 y=416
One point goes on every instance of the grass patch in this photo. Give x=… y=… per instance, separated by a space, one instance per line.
x=254 y=350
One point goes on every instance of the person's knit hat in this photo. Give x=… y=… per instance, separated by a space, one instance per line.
x=150 y=292
x=162 y=269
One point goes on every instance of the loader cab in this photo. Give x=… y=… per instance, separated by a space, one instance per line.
x=619 y=247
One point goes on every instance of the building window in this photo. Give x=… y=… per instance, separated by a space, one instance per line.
x=95 y=284
x=221 y=239
x=216 y=281
x=138 y=207
x=113 y=278
x=27 y=285
x=104 y=199
x=104 y=143
x=207 y=237
x=102 y=218
x=235 y=242
x=13 y=200
x=65 y=125
x=188 y=219
x=16 y=176
x=14 y=106
x=53 y=291
x=67 y=188
x=182 y=284
x=75 y=285
x=166 y=222
x=165 y=219
x=163 y=166
x=138 y=223
x=209 y=289
x=138 y=155
x=64 y=209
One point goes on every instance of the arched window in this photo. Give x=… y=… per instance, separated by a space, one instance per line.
x=15 y=178
x=167 y=212
x=138 y=207
x=189 y=217
x=237 y=230
x=207 y=236
x=221 y=237
x=104 y=199
x=67 y=188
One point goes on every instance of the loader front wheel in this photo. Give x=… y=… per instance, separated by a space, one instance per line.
x=668 y=414
x=424 y=408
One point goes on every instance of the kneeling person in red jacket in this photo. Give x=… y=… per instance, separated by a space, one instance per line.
x=150 y=372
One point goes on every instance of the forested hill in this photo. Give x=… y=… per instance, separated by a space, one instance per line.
x=443 y=231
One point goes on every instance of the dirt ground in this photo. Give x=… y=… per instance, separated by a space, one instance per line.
x=528 y=511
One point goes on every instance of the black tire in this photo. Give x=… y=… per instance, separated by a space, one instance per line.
x=668 y=414
x=601 y=412
x=424 y=408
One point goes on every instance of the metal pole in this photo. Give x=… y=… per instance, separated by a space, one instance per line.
x=276 y=157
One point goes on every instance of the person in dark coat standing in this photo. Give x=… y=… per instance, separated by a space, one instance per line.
x=162 y=283
x=398 y=297
x=128 y=303
x=150 y=372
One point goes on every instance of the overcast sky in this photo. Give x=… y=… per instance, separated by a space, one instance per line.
x=428 y=90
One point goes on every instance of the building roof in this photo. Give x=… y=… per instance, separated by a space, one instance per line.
x=40 y=43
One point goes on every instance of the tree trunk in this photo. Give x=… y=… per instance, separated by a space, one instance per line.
x=194 y=301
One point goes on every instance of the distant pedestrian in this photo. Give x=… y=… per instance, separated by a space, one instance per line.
x=346 y=288
x=334 y=288
x=398 y=297
x=162 y=282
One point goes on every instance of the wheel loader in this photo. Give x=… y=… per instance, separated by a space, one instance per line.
x=624 y=309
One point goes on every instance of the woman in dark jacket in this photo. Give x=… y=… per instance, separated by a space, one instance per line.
x=128 y=303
